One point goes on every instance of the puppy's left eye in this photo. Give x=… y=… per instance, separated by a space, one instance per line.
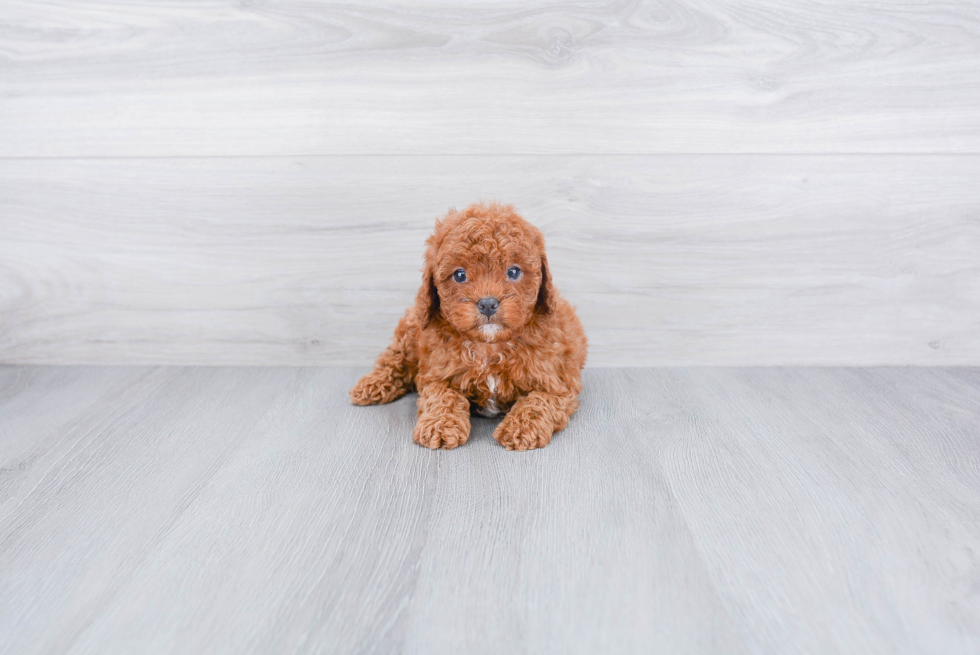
x=514 y=273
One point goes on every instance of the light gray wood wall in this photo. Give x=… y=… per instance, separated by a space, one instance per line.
x=222 y=183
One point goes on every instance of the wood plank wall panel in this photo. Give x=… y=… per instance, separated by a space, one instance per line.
x=675 y=260
x=176 y=78
x=767 y=182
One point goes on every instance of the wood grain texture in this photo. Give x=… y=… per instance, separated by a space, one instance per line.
x=741 y=260
x=171 y=78
x=708 y=510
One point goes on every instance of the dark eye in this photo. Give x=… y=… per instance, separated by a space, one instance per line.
x=514 y=273
x=459 y=275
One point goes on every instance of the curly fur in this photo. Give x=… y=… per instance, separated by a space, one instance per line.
x=525 y=360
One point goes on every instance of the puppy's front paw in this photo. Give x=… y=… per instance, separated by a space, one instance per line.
x=524 y=430
x=375 y=388
x=441 y=431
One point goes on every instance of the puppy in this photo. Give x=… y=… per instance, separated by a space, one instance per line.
x=488 y=333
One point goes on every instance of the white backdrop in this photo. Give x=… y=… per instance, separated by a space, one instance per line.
x=772 y=183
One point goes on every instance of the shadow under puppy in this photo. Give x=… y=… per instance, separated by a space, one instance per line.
x=488 y=332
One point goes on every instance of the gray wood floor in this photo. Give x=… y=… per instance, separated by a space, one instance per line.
x=698 y=510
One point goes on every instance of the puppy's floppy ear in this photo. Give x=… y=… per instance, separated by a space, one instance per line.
x=427 y=302
x=546 y=294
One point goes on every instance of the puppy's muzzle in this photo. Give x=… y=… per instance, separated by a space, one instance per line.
x=488 y=305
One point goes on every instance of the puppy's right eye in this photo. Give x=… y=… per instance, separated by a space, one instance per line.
x=459 y=275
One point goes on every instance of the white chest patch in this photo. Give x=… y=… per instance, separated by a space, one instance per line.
x=491 y=408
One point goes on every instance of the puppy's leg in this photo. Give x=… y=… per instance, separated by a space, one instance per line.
x=394 y=371
x=444 y=417
x=533 y=419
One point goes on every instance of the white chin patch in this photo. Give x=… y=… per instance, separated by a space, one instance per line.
x=489 y=330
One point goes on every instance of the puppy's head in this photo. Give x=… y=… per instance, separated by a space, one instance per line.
x=485 y=273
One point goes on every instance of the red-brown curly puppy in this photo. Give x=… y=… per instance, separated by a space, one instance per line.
x=488 y=330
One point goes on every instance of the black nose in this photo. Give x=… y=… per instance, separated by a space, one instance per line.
x=488 y=305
